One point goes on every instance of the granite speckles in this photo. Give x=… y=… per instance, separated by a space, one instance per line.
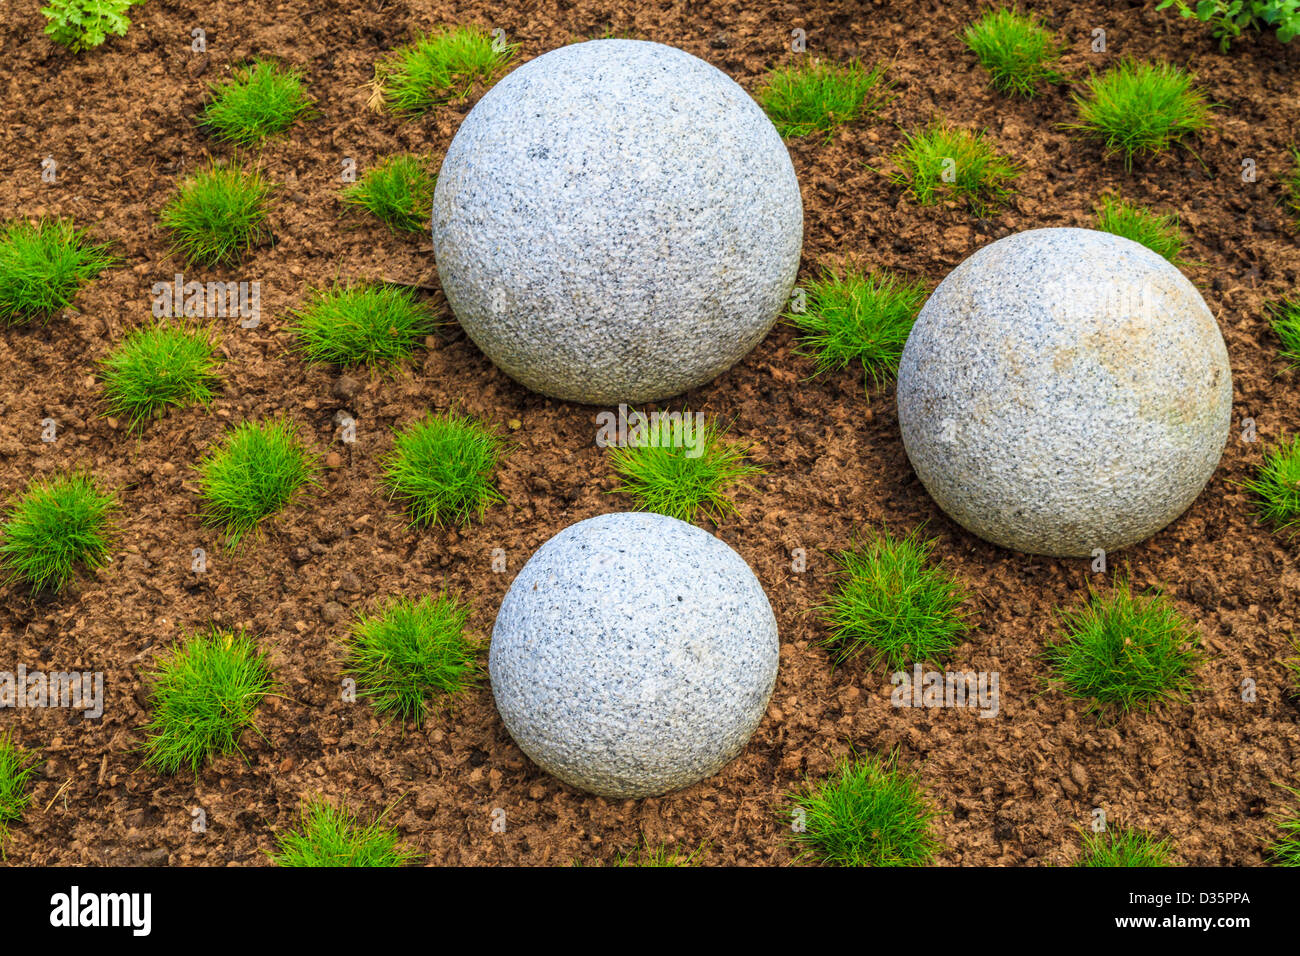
x=634 y=654
x=616 y=221
x=1064 y=390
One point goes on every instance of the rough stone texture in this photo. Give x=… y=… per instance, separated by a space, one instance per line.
x=616 y=221
x=1064 y=390
x=634 y=654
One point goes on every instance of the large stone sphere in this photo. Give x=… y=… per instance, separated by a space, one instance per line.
x=1064 y=390
x=634 y=654
x=616 y=221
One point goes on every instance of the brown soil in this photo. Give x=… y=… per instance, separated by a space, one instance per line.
x=1015 y=789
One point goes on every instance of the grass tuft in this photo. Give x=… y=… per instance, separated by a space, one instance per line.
x=1285 y=850
x=867 y=813
x=219 y=214
x=441 y=469
x=409 y=653
x=943 y=160
x=57 y=524
x=42 y=266
x=1284 y=317
x=255 y=473
x=895 y=603
x=1016 y=49
x=205 y=695
x=260 y=100
x=17 y=769
x=1159 y=232
x=366 y=324
x=331 y=836
x=440 y=67
x=398 y=191
x=643 y=854
x=158 y=367
x=1112 y=848
x=1277 y=486
x=812 y=96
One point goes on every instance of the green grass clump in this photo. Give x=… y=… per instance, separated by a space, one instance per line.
x=17 y=768
x=943 y=160
x=1138 y=109
x=1113 y=848
x=682 y=467
x=260 y=100
x=84 y=24
x=57 y=524
x=1277 y=485
x=398 y=191
x=1159 y=232
x=366 y=324
x=42 y=267
x=867 y=813
x=160 y=366
x=441 y=469
x=1284 y=317
x=409 y=653
x=1285 y=850
x=1124 y=651
x=816 y=97
x=662 y=855
x=205 y=695
x=257 y=471
x=219 y=214
x=895 y=603
x=440 y=67
x=331 y=836
x=862 y=317
x=1016 y=49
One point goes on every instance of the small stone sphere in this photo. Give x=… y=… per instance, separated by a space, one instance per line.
x=1064 y=390
x=634 y=654
x=616 y=221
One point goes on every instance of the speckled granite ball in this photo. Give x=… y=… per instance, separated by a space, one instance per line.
x=616 y=221
x=1064 y=390
x=634 y=654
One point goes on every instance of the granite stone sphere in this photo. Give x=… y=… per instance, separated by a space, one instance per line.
x=616 y=221
x=1064 y=390
x=634 y=654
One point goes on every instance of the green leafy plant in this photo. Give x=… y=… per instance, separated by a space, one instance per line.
x=84 y=24
x=1277 y=485
x=943 y=160
x=1285 y=850
x=894 y=602
x=812 y=96
x=859 y=317
x=1139 y=109
x=365 y=324
x=441 y=468
x=42 y=266
x=1284 y=316
x=1159 y=232
x=17 y=769
x=681 y=466
x=57 y=524
x=1123 y=651
x=332 y=836
x=440 y=67
x=256 y=472
x=408 y=653
x=398 y=191
x=1228 y=18
x=1120 y=847
x=1016 y=49
x=260 y=100
x=205 y=696
x=157 y=367
x=219 y=214
x=868 y=812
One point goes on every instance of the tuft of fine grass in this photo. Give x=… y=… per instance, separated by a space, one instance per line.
x=1138 y=109
x=1284 y=317
x=1285 y=850
x=1277 y=485
x=17 y=769
x=1123 y=651
x=860 y=317
x=256 y=472
x=683 y=467
x=813 y=96
x=894 y=603
x=362 y=325
x=1159 y=232
x=332 y=836
x=219 y=214
x=398 y=191
x=440 y=67
x=441 y=469
x=205 y=696
x=643 y=854
x=1119 y=847
x=258 y=101
x=1016 y=49
x=57 y=524
x=408 y=655
x=43 y=265
x=158 y=367
x=945 y=161
x=868 y=812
